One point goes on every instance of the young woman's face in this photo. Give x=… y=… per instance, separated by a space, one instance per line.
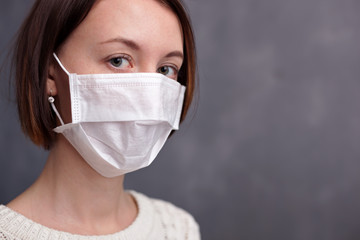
x=121 y=36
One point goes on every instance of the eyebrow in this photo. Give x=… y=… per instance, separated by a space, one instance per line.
x=175 y=54
x=125 y=41
x=135 y=46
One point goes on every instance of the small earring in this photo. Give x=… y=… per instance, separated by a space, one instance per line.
x=51 y=99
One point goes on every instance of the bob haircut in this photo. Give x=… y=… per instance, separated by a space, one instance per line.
x=45 y=29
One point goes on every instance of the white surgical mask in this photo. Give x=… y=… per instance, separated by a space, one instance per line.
x=120 y=121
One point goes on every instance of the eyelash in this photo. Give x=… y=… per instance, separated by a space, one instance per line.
x=129 y=59
x=123 y=56
x=174 y=68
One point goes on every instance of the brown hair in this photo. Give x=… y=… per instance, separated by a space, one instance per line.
x=47 y=26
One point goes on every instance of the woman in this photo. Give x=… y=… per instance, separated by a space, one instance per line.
x=101 y=84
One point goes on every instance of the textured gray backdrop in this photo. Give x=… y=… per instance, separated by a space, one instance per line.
x=273 y=150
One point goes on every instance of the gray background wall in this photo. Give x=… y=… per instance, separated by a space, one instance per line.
x=273 y=150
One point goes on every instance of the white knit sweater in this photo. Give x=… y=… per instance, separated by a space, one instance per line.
x=156 y=220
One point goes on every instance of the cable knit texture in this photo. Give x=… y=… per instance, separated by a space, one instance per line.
x=156 y=220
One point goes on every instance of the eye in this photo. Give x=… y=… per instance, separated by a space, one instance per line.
x=170 y=72
x=120 y=62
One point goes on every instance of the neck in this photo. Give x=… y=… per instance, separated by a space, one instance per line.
x=83 y=201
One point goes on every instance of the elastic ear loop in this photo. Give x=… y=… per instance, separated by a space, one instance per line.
x=51 y=101
x=61 y=65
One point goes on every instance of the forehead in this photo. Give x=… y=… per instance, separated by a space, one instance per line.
x=147 y=22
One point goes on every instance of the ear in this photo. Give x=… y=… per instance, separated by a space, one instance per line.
x=50 y=82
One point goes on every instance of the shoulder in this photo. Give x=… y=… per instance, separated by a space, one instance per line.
x=6 y=217
x=172 y=217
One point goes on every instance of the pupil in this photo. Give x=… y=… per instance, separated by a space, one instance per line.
x=164 y=70
x=117 y=61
